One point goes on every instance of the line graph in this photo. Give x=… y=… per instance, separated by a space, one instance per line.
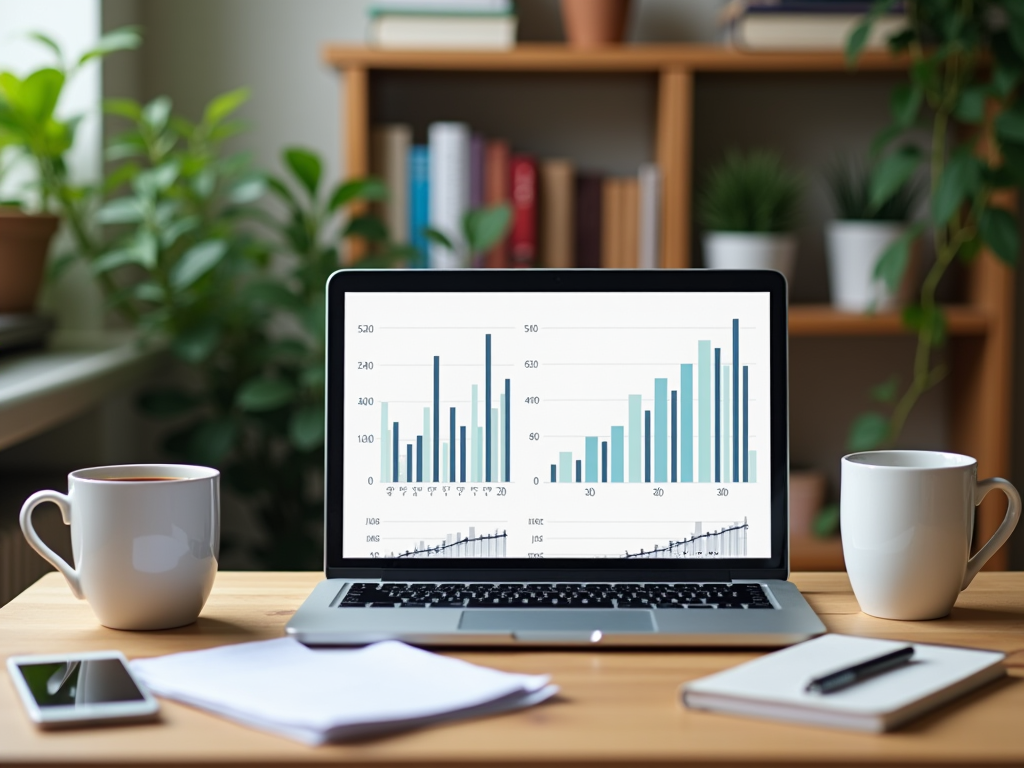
x=728 y=541
x=457 y=545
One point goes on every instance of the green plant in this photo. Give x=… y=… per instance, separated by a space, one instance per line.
x=850 y=182
x=966 y=64
x=754 y=192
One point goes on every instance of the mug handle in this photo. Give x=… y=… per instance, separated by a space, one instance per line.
x=1002 y=533
x=37 y=543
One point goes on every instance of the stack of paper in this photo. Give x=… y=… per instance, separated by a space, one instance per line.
x=315 y=696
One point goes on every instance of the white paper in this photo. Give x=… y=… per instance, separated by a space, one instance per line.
x=328 y=694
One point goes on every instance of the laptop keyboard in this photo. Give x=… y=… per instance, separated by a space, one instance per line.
x=659 y=596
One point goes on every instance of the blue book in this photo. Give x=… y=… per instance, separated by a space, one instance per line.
x=419 y=201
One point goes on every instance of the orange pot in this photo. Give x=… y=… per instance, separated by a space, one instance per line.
x=24 y=242
x=595 y=23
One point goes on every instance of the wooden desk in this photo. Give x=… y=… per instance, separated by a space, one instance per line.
x=615 y=708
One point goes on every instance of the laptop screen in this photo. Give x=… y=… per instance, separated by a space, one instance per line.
x=556 y=424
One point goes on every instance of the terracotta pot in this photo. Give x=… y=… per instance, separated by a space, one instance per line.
x=806 y=497
x=595 y=23
x=24 y=242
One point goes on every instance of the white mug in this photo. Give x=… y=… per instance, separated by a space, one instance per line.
x=145 y=540
x=907 y=520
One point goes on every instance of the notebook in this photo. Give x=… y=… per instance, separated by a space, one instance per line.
x=773 y=686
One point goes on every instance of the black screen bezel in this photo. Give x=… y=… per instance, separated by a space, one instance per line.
x=549 y=281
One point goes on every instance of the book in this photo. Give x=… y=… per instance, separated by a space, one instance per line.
x=419 y=200
x=523 y=238
x=389 y=159
x=630 y=247
x=649 y=236
x=588 y=219
x=496 y=191
x=449 y=191
x=423 y=31
x=771 y=28
x=611 y=223
x=557 y=207
x=774 y=686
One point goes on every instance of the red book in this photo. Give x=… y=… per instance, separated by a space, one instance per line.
x=523 y=239
x=496 y=191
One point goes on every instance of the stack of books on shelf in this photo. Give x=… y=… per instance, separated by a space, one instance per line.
x=805 y=25
x=443 y=24
x=561 y=217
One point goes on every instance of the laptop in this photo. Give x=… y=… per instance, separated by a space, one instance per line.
x=556 y=457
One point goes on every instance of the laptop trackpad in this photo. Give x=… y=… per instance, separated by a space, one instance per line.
x=548 y=620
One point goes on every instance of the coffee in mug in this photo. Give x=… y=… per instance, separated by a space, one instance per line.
x=907 y=521
x=145 y=540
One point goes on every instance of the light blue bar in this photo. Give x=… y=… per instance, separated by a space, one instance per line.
x=635 y=437
x=686 y=423
x=590 y=468
x=565 y=467
x=494 y=446
x=704 y=411
x=753 y=467
x=427 y=474
x=726 y=429
x=474 y=464
x=617 y=436
x=661 y=430
x=501 y=438
x=385 y=445
x=444 y=463
x=479 y=456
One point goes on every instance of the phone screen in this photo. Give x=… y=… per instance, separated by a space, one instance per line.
x=80 y=683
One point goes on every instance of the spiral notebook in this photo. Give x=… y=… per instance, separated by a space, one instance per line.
x=774 y=686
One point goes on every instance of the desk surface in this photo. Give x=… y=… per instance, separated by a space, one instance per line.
x=615 y=708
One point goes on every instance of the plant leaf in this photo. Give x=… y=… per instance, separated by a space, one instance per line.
x=126 y=108
x=1010 y=124
x=826 y=522
x=894 y=259
x=892 y=172
x=999 y=232
x=306 y=427
x=248 y=190
x=212 y=441
x=50 y=43
x=121 y=39
x=197 y=343
x=156 y=113
x=484 y=227
x=970 y=107
x=306 y=167
x=868 y=431
x=121 y=210
x=959 y=180
x=262 y=394
x=38 y=96
x=369 y=188
x=222 y=106
x=905 y=104
x=368 y=227
x=196 y=262
x=436 y=236
x=859 y=37
x=886 y=391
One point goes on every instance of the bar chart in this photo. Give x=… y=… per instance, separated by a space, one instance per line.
x=656 y=439
x=457 y=545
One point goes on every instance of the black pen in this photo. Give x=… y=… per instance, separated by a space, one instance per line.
x=844 y=678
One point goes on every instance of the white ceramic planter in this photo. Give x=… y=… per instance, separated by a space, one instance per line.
x=750 y=250
x=854 y=248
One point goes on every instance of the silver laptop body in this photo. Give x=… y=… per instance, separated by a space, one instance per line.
x=556 y=457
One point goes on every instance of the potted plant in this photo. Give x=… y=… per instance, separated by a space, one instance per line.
x=595 y=23
x=748 y=210
x=30 y=129
x=861 y=233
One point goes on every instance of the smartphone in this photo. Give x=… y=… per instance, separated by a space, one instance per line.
x=77 y=689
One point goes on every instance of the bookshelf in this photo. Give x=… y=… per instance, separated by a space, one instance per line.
x=980 y=327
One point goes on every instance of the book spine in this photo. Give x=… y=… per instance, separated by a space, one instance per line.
x=588 y=220
x=649 y=236
x=496 y=191
x=419 y=207
x=449 y=191
x=390 y=152
x=523 y=241
x=557 y=207
x=612 y=221
x=630 y=223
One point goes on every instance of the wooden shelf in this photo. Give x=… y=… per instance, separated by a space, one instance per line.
x=823 y=320
x=557 y=57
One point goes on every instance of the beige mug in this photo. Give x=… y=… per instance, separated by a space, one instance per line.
x=145 y=540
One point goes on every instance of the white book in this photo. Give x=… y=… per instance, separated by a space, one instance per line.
x=449 y=191
x=389 y=159
x=774 y=686
x=649 y=216
x=443 y=32
x=774 y=31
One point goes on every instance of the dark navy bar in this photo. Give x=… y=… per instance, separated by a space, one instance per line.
x=718 y=415
x=451 y=445
x=735 y=398
x=675 y=437
x=437 y=418
x=394 y=452
x=487 y=407
x=554 y=475
x=419 y=458
x=604 y=461
x=508 y=429
x=579 y=470
x=647 y=446
x=462 y=457
x=408 y=463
